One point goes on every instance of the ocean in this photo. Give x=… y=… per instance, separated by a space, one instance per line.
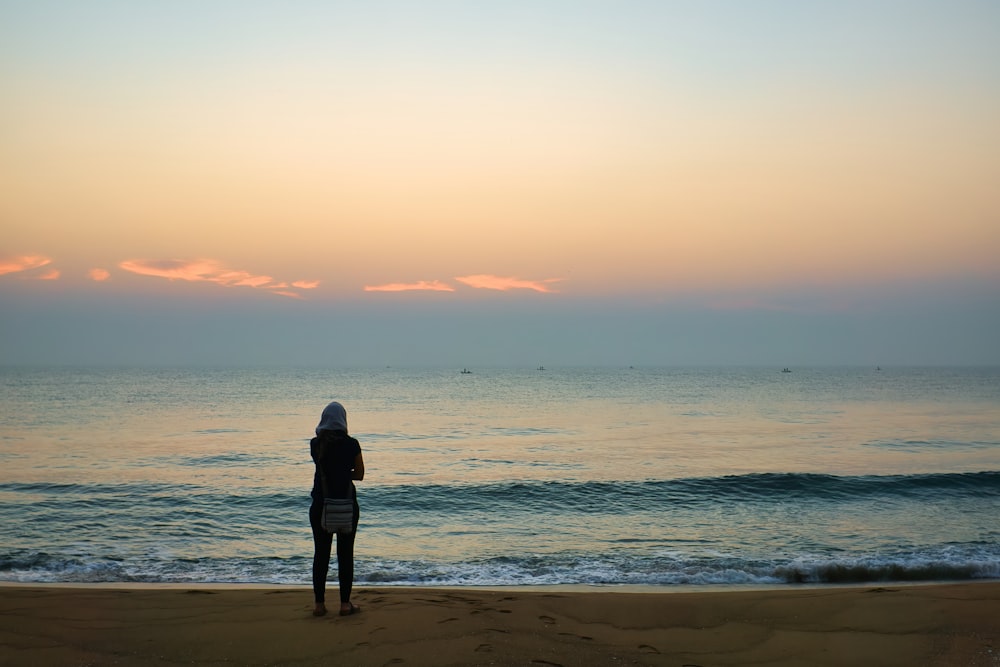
x=501 y=477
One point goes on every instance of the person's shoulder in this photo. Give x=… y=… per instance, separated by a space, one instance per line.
x=342 y=437
x=353 y=443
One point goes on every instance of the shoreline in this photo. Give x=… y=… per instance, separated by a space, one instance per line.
x=951 y=623
x=646 y=589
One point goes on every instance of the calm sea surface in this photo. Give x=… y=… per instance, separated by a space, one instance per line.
x=506 y=477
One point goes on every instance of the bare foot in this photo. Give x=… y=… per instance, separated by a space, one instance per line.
x=320 y=609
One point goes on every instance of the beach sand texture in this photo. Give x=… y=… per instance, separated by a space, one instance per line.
x=950 y=624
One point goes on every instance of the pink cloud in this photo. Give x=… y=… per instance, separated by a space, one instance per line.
x=306 y=284
x=206 y=270
x=172 y=269
x=484 y=281
x=425 y=285
x=99 y=275
x=195 y=270
x=22 y=263
x=52 y=274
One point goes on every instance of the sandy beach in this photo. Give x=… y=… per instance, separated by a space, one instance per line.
x=949 y=624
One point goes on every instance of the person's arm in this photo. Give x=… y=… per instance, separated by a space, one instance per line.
x=359 y=468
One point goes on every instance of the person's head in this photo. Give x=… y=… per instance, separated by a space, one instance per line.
x=334 y=418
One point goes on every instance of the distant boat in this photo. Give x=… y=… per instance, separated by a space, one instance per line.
x=786 y=370
x=541 y=368
x=878 y=368
x=466 y=371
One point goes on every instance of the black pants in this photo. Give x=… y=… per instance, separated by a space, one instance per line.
x=321 y=557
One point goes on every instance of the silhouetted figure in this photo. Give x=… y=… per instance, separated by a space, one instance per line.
x=338 y=463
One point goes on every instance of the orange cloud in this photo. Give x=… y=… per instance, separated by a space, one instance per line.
x=293 y=295
x=22 y=263
x=306 y=284
x=99 y=275
x=426 y=285
x=207 y=270
x=52 y=274
x=483 y=281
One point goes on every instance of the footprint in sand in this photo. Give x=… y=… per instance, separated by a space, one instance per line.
x=646 y=648
x=448 y=620
x=484 y=648
x=546 y=619
x=546 y=662
x=570 y=634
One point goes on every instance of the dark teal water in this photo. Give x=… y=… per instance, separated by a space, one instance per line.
x=506 y=476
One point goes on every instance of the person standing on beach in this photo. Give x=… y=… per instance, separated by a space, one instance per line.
x=338 y=458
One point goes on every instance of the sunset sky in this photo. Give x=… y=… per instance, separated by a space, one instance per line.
x=500 y=183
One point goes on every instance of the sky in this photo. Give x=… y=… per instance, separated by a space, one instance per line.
x=515 y=183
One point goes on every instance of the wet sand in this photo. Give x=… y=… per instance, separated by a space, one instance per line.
x=947 y=624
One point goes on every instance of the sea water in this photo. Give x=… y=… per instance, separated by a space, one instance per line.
x=605 y=476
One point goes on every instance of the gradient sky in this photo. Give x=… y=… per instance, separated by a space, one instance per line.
x=501 y=183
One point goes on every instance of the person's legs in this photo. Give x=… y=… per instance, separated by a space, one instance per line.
x=323 y=543
x=345 y=564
